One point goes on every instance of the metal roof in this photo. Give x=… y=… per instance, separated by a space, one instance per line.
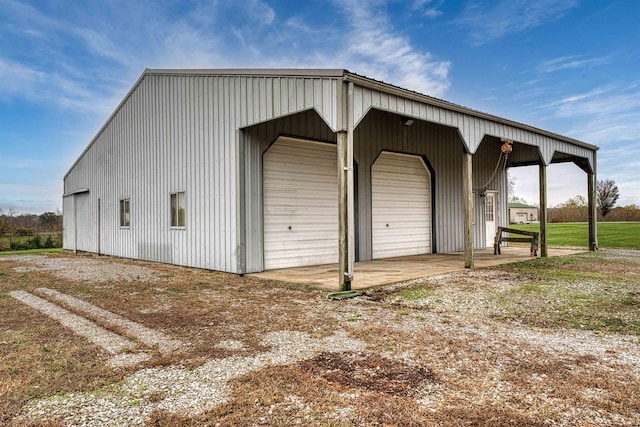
x=520 y=205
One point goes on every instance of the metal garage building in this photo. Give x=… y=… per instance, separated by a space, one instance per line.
x=247 y=170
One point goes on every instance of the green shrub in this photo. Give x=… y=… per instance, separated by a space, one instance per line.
x=34 y=242
x=48 y=243
x=25 y=231
x=18 y=245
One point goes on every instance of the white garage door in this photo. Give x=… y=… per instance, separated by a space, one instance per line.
x=401 y=206
x=300 y=204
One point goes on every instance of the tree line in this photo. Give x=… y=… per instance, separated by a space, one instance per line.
x=15 y=224
x=576 y=209
x=607 y=195
x=29 y=231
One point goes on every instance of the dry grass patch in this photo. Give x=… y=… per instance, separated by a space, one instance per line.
x=377 y=374
x=598 y=292
x=41 y=358
x=456 y=350
x=313 y=393
x=587 y=291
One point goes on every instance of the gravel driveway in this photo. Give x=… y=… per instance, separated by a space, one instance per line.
x=254 y=352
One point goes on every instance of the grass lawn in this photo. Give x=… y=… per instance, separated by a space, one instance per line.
x=32 y=251
x=588 y=291
x=610 y=234
x=36 y=241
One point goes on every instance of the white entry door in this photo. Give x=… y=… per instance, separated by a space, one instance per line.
x=490 y=218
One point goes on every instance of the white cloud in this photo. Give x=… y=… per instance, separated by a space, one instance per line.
x=101 y=45
x=376 y=49
x=89 y=60
x=41 y=87
x=30 y=198
x=24 y=80
x=569 y=63
x=602 y=114
x=510 y=16
x=20 y=163
x=261 y=12
x=431 y=11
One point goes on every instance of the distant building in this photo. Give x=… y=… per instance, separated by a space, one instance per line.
x=520 y=213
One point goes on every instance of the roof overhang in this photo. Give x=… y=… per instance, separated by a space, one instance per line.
x=416 y=96
x=79 y=191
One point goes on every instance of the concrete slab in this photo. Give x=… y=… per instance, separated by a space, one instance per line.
x=393 y=270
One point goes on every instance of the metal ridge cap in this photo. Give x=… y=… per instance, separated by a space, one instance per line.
x=293 y=72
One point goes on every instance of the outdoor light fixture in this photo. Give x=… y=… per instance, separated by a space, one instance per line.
x=407 y=121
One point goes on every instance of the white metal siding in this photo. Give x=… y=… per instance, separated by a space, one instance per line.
x=86 y=236
x=300 y=204
x=68 y=221
x=174 y=133
x=401 y=206
x=440 y=145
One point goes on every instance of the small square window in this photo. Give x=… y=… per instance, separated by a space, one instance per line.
x=125 y=213
x=178 y=212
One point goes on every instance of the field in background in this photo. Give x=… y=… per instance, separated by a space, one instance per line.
x=610 y=234
x=31 y=241
x=32 y=251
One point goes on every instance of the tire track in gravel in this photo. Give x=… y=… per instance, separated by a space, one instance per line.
x=117 y=345
x=148 y=336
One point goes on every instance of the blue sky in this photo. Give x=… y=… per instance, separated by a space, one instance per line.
x=568 y=66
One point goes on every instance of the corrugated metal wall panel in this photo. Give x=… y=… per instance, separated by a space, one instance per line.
x=484 y=164
x=177 y=133
x=68 y=227
x=85 y=223
x=442 y=147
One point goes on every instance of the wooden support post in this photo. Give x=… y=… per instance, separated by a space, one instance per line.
x=593 y=213
x=351 y=227
x=543 y=211
x=344 y=279
x=467 y=185
x=99 y=226
x=75 y=224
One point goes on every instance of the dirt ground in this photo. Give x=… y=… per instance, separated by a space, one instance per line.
x=546 y=342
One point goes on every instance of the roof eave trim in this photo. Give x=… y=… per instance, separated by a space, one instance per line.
x=266 y=72
x=79 y=191
x=104 y=126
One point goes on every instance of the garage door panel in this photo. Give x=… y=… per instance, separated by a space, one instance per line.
x=300 y=191
x=401 y=206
